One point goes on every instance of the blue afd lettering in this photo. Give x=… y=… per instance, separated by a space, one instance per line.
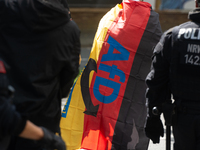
x=113 y=71
x=108 y=83
x=110 y=56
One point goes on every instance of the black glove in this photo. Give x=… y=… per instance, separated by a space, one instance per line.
x=51 y=141
x=154 y=128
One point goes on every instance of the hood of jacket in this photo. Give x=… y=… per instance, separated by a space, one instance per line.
x=36 y=15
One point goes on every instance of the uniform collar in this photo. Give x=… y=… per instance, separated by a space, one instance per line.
x=194 y=15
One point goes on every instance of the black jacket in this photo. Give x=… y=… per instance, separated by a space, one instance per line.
x=11 y=122
x=41 y=44
x=175 y=66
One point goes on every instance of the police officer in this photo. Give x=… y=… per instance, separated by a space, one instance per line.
x=176 y=71
x=12 y=123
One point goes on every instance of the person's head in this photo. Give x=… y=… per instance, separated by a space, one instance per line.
x=197 y=2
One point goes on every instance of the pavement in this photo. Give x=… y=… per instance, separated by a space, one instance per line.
x=85 y=51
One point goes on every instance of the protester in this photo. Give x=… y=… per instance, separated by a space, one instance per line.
x=12 y=123
x=175 y=70
x=41 y=43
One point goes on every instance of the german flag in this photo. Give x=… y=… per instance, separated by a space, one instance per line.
x=106 y=107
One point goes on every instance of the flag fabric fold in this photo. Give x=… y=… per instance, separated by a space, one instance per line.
x=106 y=106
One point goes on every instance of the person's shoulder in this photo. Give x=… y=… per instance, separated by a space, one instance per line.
x=176 y=29
x=166 y=35
x=188 y=23
x=154 y=12
x=72 y=25
x=169 y=31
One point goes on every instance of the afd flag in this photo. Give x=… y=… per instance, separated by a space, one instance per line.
x=106 y=107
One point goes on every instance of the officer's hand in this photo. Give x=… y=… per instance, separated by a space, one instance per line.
x=154 y=128
x=52 y=141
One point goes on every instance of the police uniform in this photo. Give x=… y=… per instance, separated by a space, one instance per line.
x=176 y=70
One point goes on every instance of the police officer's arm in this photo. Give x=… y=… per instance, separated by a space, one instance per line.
x=71 y=69
x=157 y=82
x=158 y=78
